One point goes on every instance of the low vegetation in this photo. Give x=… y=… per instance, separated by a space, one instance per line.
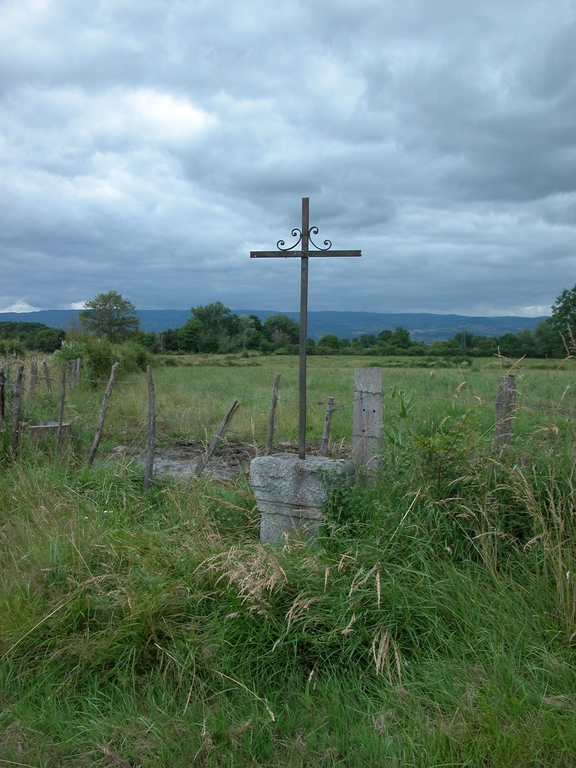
x=433 y=624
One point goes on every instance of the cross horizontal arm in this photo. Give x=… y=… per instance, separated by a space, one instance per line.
x=299 y=254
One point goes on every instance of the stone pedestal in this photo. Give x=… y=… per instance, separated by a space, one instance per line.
x=292 y=493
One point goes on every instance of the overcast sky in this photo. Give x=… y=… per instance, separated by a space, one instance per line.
x=148 y=145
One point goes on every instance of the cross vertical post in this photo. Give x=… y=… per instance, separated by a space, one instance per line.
x=303 y=327
x=304 y=237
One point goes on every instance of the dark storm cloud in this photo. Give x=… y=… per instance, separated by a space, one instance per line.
x=147 y=146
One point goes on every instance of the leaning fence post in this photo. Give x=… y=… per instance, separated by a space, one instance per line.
x=326 y=429
x=367 y=432
x=33 y=377
x=226 y=421
x=61 y=411
x=151 y=432
x=72 y=372
x=47 y=376
x=505 y=407
x=102 y=416
x=272 y=416
x=17 y=406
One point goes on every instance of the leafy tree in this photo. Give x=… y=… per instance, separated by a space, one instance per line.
x=364 y=341
x=216 y=318
x=49 y=339
x=400 y=338
x=548 y=340
x=526 y=344
x=563 y=318
x=251 y=330
x=189 y=335
x=329 y=343
x=169 y=341
x=384 y=336
x=33 y=335
x=485 y=346
x=219 y=325
x=367 y=340
x=150 y=341
x=564 y=310
x=281 y=331
x=111 y=316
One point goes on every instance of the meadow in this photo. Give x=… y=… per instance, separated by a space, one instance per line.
x=434 y=624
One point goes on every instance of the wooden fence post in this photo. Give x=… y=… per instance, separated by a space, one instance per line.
x=72 y=372
x=61 y=411
x=151 y=432
x=2 y=394
x=102 y=416
x=272 y=416
x=326 y=430
x=505 y=407
x=17 y=406
x=78 y=368
x=367 y=433
x=47 y=377
x=33 y=377
x=226 y=421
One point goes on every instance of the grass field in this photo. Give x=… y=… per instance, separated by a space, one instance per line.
x=433 y=625
x=192 y=397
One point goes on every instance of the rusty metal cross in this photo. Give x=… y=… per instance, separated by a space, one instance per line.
x=304 y=236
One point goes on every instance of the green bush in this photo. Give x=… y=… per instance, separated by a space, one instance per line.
x=12 y=348
x=97 y=355
x=132 y=357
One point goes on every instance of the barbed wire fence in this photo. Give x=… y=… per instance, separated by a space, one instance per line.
x=21 y=392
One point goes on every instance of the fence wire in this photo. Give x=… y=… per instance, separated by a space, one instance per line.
x=132 y=427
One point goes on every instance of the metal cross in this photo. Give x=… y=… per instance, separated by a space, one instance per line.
x=304 y=237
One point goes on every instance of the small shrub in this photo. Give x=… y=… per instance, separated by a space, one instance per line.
x=12 y=348
x=97 y=356
x=132 y=357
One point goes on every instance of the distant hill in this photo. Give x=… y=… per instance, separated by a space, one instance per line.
x=423 y=326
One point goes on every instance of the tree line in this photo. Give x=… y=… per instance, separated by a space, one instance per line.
x=215 y=329
x=16 y=337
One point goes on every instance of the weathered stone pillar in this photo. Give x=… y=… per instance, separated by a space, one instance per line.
x=292 y=493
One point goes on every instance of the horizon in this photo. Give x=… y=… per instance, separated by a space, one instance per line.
x=279 y=311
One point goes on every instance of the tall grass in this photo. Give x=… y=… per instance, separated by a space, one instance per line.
x=433 y=625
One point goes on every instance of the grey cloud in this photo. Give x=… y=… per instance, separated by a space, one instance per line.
x=147 y=146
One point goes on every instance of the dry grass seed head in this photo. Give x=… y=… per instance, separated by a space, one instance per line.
x=299 y=608
x=348 y=630
x=380 y=647
x=253 y=570
x=381 y=644
x=360 y=578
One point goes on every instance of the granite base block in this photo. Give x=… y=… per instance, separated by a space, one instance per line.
x=292 y=493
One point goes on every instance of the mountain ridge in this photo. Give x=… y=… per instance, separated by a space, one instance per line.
x=423 y=326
